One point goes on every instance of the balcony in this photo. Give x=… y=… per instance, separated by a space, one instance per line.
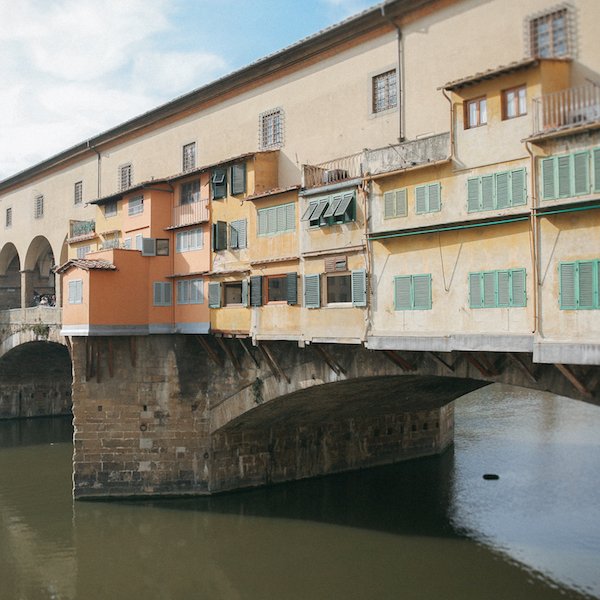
x=333 y=171
x=190 y=213
x=79 y=230
x=567 y=108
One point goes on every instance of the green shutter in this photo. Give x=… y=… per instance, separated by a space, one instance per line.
x=219 y=183
x=359 y=287
x=567 y=295
x=434 y=200
x=256 y=290
x=503 y=288
x=585 y=287
x=402 y=292
x=221 y=235
x=262 y=221
x=312 y=291
x=473 y=204
x=401 y=203
x=214 y=295
x=502 y=181
x=421 y=292
x=333 y=206
x=549 y=178
x=596 y=168
x=489 y=289
x=245 y=292
x=518 y=187
x=475 y=290
x=233 y=235
x=389 y=205
x=292 y=288
x=290 y=216
x=238 y=179
x=564 y=175
x=421 y=199
x=487 y=192
x=271 y=220
x=517 y=287
x=581 y=173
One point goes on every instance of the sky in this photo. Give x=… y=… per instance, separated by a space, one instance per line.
x=71 y=69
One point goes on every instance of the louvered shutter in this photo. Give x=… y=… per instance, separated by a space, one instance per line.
x=271 y=220
x=333 y=206
x=256 y=290
x=148 y=246
x=219 y=183
x=489 y=290
x=401 y=203
x=292 y=288
x=518 y=290
x=312 y=291
x=244 y=292
x=359 y=287
x=290 y=217
x=422 y=291
x=503 y=288
x=518 y=187
x=262 y=221
x=473 y=194
x=568 y=297
x=564 y=176
x=581 y=175
x=214 y=295
x=157 y=293
x=475 y=290
x=179 y=242
x=502 y=190
x=548 y=178
x=310 y=209
x=434 y=200
x=402 y=295
x=243 y=233
x=596 y=168
x=421 y=199
x=585 y=284
x=238 y=179
x=182 y=292
x=197 y=291
x=389 y=205
x=487 y=192
x=233 y=235
x=281 y=218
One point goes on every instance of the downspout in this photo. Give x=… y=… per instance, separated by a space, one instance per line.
x=451 y=157
x=534 y=242
x=399 y=72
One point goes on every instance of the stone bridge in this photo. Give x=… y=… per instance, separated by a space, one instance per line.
x=205 y=414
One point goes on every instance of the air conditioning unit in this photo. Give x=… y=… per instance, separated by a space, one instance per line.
x=333 y=175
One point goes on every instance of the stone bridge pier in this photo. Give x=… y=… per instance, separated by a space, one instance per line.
x=174 y=414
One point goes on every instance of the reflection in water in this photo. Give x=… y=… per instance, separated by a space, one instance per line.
x=431 y=528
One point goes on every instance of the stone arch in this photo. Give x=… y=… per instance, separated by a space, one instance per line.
x=39 y=277
x=10 y=277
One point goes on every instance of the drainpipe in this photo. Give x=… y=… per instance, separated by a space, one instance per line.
x=399 y=73
x=534 y=242
x=451 y=157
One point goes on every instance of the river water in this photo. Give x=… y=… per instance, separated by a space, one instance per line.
x=428 y=529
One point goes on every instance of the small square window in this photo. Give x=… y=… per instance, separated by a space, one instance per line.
x=271 y=129
x=276 y=288
x=125 y=177
x=110 y=209
x=135 y=206
x=162 y=247
x=232 y=293
x=189 y=157
x=549 y=34
x=78 y=192
x=475 y=112
x=514 y=102
x=385 y=91
x=339 y=289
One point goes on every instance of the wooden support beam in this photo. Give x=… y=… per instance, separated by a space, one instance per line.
x=232 y=357
x=248 y=352
x=132 y=350
x=518 y=361
x=441 y=361
x=488 y=364
x=399 y=360
x=89 y=359
x=110 y=358
x=578 y=385
x=98 y=361
x=481 y=368
x=266 y=351
x=333 y=364
x=210 y=350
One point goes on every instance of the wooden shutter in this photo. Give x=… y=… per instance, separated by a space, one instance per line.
x=312 y=291
x=564 y=176
x=585 y=287
x=502 y=190
x=242 y=233
x=422 y=292
x=434 y=200
x=256 y=290
x=221 y=235
x=310 y=209
x=475 y=290
x=214 y=295
x=402 y=292
x=292 y=288
x=333 y=206
x=548 y=178
x=581 y=174
x=233 y=235
x=359 y=287
x=262 y=221
x=489 y=290
x=238 y=179
x=219 y=183
x=290 y=216
x=517 y=287
x=567 y=296
x=421 y=199
x=183 y=292
x=518 y=184
x=487 y=192
x=244 y=292
x=389 y=205
x=473 y=194
x=504 y=288
x=596 y=168
x=401 y=203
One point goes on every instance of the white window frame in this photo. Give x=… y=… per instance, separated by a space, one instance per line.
x=83 y=250
x=163 y=292
x=76 y=291
x=189 y=240
x=384 y=99
x=188 y=157
x=270 y=129
x=190 y=291
x=135 y=206
x=125 y=176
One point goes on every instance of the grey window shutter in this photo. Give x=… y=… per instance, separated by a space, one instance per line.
x=581 y=175
x=219 y=183
x=238 y=179
x=220 y=239
x=568 y=297
x=518 y=183
x=333 y=206
x=233 y=235
x=148 y=247
x=256 y=290
x=564 y=175
x=262 y=221
x=281 y=218
x=487 y=192
x=489 y=289
x=475 y=290
x=421 y=199
x=214 y=295
x=422 y=291
x=504 y=288
x=401 y=203
x=518 y=290
x=292 y=288
x=312 y=291
x=596 y=168
x=345 y=206
x=157 y=293
x=310 y=209
x=402 y=295
x=502 y=190
x=359 y=287
x=245 y=292
x=548 y=177
x=435 y=197
x=473 y=194
x=389 y=205
x=243 y=233
x=586 y=284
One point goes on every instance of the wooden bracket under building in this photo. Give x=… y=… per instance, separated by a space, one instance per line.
x=276 y=369
x=232 y=357
x=568 y=373
x=517 y=360
x=210 y=350
x=399 y=360
x=478 y=365
x=333 y=364
x=441 y=361
x=248 y=352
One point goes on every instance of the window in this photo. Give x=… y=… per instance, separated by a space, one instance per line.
x=190 y=291
x=189 y=157
x=412 y=292
x=339 y=208
x=497 y=289
x=82 y=251
x=570 y=174
x=219 y=183
x=76 y=291
x=428 y=198
x=549 y=34
x=162 y=246
x=497 y=191
x=395 y=204
x=191 y=239
x=162 y=293
x=125 y=177
x=385 y=91
x=135 y=206
x=78 y=192
x=274 y=288
x=8 y=221
x=271 y=129
x=475 y=112
x=232 y=293
x=277 y=219
x=219 y=236
x=139 y=241
x=127 y=243
x=579 y=285
x=514 y=102
x=238 y=179
x=38 y=207
x=190 y=192
x=340 y=288
x=237 y=234
x=110 y=209
x=214 y=295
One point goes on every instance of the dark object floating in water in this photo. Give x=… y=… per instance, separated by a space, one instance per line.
x=491 y=476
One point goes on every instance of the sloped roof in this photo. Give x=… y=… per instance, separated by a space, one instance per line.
x=86 y=265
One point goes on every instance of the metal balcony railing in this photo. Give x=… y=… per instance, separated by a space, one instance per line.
x=192 y=212
x=566 y=108
x=81 y=228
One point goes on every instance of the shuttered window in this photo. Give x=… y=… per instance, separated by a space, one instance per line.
x=277 y=219
x=428 y=198
x=191 y=239
x=214 y=295
x=329 y=210
x=238 y=179
x=412 y=292
x=238 y=234
x=135 y=206
x=256 y=291
x=190 y=192
x=190 y=291
x=312 y=291
x=574 y=174
x=395 y=204
x=497 y=190
x=162 y=293
x=76 y=291
x=219 y=240
x=218 y=182
x=497 y=289
x=579 y=284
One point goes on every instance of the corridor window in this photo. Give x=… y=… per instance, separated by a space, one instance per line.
x=190 y=192
x=276 y=288
x=514 y=102
x=190 y=291
x=76 y=291
x=385 y=91
x=83 y=250
x=339 y=289
x=110 y=209
x=38 y=207
x=189 y=157
x=78 y=192
x=475 y=112
x=271 y=129
x=277 y=219
x=125 y=177
x=191 y=239
x=549 y=34
x=8 y=221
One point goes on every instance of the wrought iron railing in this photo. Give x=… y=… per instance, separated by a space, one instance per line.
x=192 y=212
